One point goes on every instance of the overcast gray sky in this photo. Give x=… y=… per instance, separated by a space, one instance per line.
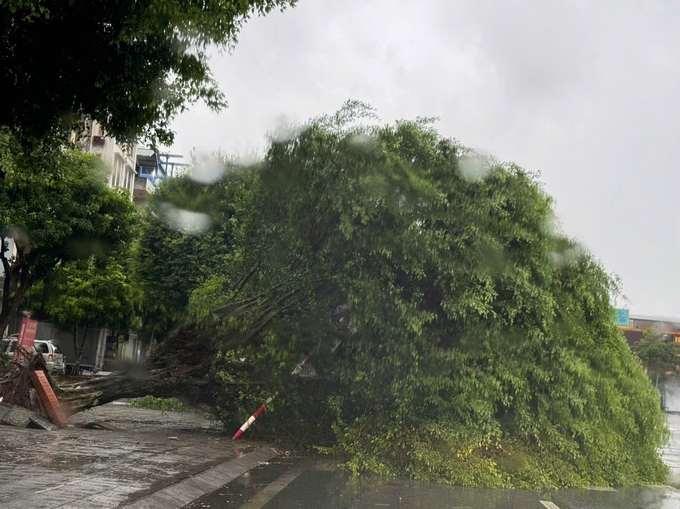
x=584 y=92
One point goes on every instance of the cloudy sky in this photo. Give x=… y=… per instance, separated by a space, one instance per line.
x=585 y=92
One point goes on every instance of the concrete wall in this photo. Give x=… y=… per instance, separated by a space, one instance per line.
x=89 y=356
x=120 y=161
x=659 y=326
x=100 y=344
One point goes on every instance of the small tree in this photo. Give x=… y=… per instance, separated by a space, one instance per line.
x=56 y=207
x=89 y=293
x=657 y=356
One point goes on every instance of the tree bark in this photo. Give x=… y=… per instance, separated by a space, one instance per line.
x=17 y=280
x=7 y=271
x=179 y=367
x=74 y=334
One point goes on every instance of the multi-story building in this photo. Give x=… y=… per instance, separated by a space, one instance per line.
x=152 y=168
x=119 y=158
x=137 y=169
x=634 y=326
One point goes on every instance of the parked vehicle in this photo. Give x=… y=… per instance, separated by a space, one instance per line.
x=49 y=348
x=52 y=354
x=7 y=347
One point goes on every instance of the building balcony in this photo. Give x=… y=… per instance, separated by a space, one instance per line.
x=143 y=189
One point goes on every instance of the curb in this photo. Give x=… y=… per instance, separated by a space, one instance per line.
x=666 y=487
x=183 y=492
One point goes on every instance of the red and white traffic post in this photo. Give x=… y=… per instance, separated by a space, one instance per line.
x=252 y=418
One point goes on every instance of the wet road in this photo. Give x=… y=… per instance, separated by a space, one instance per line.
x=671 y=454
x=294 y=483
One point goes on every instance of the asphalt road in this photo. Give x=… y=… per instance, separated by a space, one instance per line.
x=298 y=483
x=294 y=483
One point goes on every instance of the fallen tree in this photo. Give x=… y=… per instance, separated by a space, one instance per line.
x=458 y=335
x=16 y=387
x=181 y=367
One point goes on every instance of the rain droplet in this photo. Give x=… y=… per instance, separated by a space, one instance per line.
x=207 y=169
x=285 y=130
x=361 y=140
x=475 y=167
x=186 y=221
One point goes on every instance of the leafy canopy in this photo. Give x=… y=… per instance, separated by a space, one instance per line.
x=169 y=261
x=458 y=336
x=131 y=65
x=56 y=207
x=91 y=293
x=657 y=355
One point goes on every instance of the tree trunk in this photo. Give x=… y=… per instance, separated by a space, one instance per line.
x=18 y=281
x=196 y=391
x=79 y=348
x=74 y=334
x=178 y=367
x=11 y=305
x=5 y=299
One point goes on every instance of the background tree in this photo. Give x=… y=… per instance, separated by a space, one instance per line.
x=170 y=262
x=657 y=355
x=477 y=344
x=55 y=206
x=85 y=294
x=130 y=65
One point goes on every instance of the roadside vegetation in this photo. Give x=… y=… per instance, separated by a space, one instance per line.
x=456 y=334
x=162 y=404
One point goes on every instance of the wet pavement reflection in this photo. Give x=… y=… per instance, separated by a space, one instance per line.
x=318 y=485
x=671 y=454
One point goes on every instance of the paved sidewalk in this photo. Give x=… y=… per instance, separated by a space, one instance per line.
x=97 y=469
x=122 y=416
x=151 y=460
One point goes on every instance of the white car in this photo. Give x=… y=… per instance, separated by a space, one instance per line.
x=49 y=348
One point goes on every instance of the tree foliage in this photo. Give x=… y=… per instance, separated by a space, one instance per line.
x=131 y=65
x=657 y=355
x=56 y=207
x=458 y=337
x=171 y=261
x=90 y=293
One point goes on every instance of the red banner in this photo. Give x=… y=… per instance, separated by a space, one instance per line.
x=26 y=338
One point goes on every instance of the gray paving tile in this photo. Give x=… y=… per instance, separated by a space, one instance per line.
x=88 y=468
